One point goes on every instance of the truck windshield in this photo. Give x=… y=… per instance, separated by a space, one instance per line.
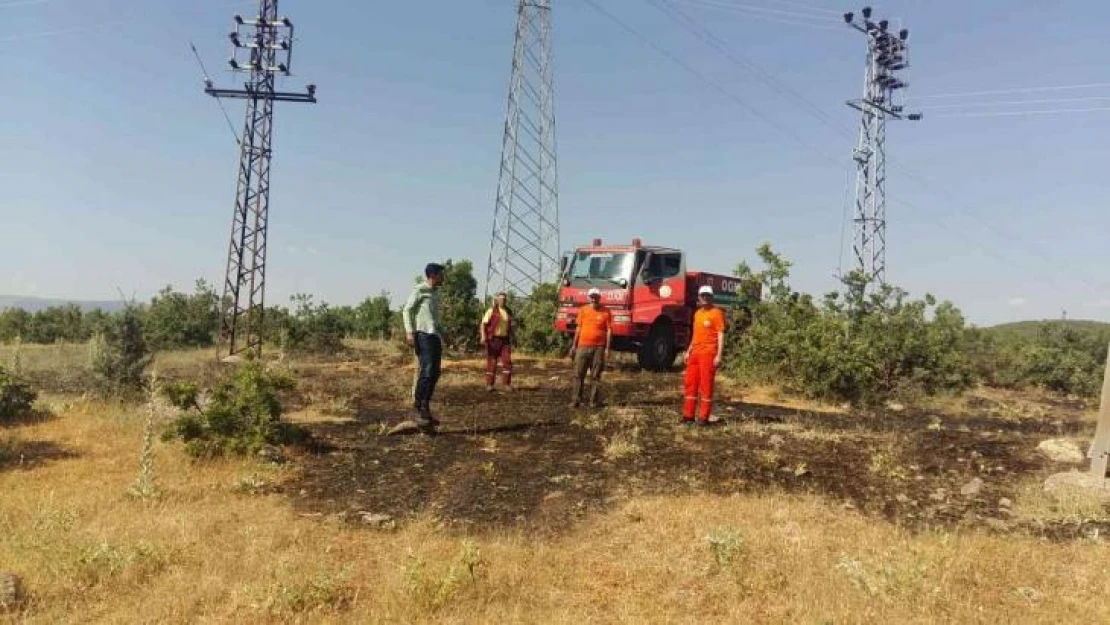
x=600 y=267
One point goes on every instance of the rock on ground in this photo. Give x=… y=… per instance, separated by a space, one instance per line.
x=1061 y=450
x=380 y=521
x=1072 y=484
x=972 y=488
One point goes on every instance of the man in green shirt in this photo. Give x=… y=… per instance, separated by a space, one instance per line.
x=422 y=331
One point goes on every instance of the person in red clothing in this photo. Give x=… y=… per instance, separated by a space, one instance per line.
x=703 y=357
x=495 y=332
x=590 y=348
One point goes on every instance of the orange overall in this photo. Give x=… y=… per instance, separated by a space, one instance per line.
x=709 y=323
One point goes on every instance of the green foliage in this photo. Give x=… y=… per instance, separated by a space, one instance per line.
x=242 y=415
x=432 y=590
x=122 y=355
x=855 y=345
x=726 y=545
x=16 y=397
x=57 y=323
x=1066 y=358
x=314 y=328
x=459 y=308
x=176 y=320
x=373 y=318
x=535 y=323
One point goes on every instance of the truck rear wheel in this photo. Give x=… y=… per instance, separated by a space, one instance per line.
x=657 y=353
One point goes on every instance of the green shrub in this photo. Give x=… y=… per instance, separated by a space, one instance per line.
x=16 y=397
x=459 y=308
x=862 y=345
x=177 y=320
x=121 y=354
x=535 y=330
x=242 y=415
x=313 y=328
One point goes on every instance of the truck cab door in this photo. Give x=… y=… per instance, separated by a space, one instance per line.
x=661 y=282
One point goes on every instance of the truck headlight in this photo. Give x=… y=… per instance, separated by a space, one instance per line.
x=622 y=318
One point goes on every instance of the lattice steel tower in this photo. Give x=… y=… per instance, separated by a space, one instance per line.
x=887 y=54
x=524 y=246
x=267 y=43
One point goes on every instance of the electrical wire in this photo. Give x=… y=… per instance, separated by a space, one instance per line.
x=1024 y=113
x=709 y=38
x=806 y=6
x=716 y=86
x=758 y=9
x=22 y=3
x=1014 y=103
x=207 y=80
x=62 y=31
x=693 y=26
x=732 y=10
x=969 y=94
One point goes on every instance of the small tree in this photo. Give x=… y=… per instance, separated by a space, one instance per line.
x=373 y=318
x=122 y=356
x=314 y=328
x=535 y=331
x=176 y=320
x=16 y=397
x=460 y=310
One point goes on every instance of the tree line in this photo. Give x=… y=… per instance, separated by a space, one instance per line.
x=862 y=343
x=177 y=320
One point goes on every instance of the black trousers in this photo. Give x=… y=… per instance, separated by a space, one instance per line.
x=429 y=351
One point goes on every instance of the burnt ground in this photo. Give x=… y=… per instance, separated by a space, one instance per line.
x=526 y=460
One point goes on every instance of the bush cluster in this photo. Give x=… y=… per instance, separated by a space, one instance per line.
x=864 y=344
x=242 y=415
x=16 y=397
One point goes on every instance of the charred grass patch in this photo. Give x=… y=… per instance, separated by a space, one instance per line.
x=494 y=463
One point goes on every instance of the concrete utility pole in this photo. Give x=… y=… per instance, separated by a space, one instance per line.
x=267 y=41
x=524 y=245
x=1099 y=453
x=887 y=54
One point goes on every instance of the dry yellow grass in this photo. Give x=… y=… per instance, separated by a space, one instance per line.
x=210 y=551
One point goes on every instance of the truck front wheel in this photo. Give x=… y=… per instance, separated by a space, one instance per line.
x=658 y=352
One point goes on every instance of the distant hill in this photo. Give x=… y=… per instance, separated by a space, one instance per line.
x=1029 y=329
x=35 y=304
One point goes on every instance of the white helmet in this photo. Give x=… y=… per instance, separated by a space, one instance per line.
x=706 y=290
x=594 y=292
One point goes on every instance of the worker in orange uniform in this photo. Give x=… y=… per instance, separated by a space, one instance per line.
x=590 y=347
x=703 y=357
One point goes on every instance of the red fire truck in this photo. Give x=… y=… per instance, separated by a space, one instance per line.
x=651 y=293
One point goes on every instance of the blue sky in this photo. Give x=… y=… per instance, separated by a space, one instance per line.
x=117 y=172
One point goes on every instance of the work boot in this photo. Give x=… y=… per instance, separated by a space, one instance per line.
x=426 y=412
x=424 y=418
x=595 y=398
